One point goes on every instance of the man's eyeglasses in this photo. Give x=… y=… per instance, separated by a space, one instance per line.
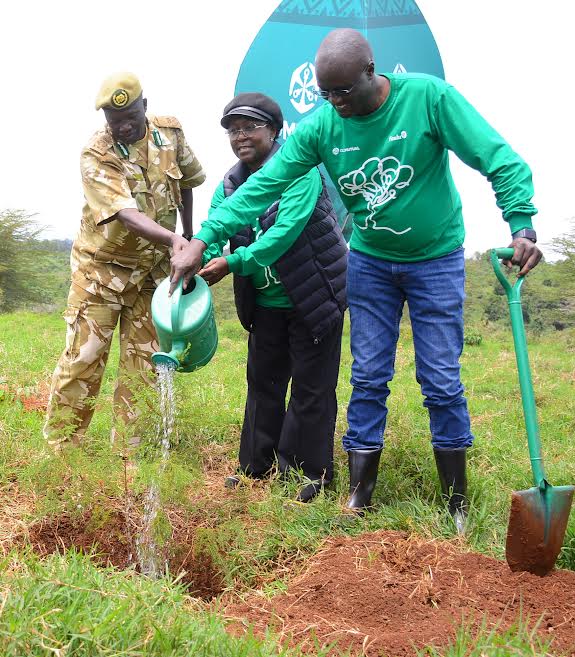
x=246 y=131
x=326 y=93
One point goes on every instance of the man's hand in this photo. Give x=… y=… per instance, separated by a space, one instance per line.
x=178 y=244
x=186 y=262
x=215 y=270
x=526 y=255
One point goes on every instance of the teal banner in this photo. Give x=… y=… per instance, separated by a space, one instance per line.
x=280 y=61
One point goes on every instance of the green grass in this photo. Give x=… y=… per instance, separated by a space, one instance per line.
x=518 y=641
x=66 y=604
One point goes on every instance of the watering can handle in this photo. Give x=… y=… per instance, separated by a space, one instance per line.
x=175 y=309
x=525 y=382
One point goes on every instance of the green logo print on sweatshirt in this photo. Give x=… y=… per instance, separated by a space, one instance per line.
x=378 y=181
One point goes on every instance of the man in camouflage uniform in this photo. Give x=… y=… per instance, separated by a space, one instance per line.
x=136 y=173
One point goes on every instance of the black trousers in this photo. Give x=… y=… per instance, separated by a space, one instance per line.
x=281 y=348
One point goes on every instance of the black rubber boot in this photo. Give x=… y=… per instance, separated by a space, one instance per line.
x=309 y=491
x=363 y=465
x=233 y=481
x=451 y=469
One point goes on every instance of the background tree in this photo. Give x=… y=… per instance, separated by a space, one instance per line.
x=564 y=275
x=548 y=295
x=31 y=271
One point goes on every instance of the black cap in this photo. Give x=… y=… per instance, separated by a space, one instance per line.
x=256 y=106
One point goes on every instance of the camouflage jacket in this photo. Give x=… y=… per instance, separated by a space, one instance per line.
x=108 y=260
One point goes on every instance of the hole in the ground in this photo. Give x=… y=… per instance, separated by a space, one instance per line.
x=110 y=538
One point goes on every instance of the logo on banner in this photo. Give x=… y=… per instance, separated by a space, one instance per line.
x=399 y=68
x=303 y=88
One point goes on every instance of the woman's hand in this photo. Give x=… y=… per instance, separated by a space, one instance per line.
x=215 y=270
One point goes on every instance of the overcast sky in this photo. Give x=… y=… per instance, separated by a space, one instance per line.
x=511 y=60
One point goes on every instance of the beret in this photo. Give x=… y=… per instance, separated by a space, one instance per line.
x=118 y=91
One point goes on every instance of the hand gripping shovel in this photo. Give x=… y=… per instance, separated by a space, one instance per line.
x=539 y=515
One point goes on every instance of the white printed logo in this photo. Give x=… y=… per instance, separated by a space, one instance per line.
x=377 y=181
x=303 y=88
x=270 y=278
x=349 y=149
x=399 y=68
x=401 y=135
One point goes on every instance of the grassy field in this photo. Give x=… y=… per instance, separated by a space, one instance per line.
x=67 y=604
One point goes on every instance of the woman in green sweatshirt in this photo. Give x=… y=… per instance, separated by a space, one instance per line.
x=289 y=266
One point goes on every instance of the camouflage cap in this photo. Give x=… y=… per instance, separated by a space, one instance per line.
x=118 y=91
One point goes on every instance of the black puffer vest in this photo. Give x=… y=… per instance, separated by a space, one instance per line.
x=313 y=271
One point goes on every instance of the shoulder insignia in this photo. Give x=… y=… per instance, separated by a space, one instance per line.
x=166 y=122
x=100 y=142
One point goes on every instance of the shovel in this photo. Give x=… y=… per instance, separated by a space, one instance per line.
x=539 y=515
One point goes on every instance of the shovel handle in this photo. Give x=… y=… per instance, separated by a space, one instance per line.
x=513 y=293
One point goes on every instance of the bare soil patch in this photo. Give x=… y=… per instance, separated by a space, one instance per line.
x=32 y=398
x=109 y=531
x=111 y=541
x=391 y=593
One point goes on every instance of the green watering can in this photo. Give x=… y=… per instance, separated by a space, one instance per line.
x=185 y=325
x=539 y=515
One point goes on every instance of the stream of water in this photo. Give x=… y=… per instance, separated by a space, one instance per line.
x=146 y=545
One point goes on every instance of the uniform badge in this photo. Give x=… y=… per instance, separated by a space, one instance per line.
x=124 y=152
x=120 y=98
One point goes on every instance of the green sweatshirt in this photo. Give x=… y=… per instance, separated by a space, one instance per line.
x=391 y=169
x=256 y=260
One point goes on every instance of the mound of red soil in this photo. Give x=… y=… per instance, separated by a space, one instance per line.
x=391 y=593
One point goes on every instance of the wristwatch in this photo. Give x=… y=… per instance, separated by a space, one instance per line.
x=187 y=236
x=527 y=233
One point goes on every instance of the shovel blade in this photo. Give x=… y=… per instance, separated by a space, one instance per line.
x=536 y=529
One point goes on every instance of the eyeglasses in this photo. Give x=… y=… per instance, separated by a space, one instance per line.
x=326 y=93
x=247 y=131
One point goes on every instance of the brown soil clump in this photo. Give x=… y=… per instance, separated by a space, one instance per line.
x=391 y=593
x=111 y=539
x=106 y=538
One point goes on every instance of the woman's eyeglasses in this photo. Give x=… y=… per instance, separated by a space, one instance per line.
x=246 y=131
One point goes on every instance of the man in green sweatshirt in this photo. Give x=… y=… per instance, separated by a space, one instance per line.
x=384 y=140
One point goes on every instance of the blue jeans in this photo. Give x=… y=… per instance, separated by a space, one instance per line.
x=434 y=290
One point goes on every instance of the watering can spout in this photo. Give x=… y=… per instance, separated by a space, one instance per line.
x=171 y=360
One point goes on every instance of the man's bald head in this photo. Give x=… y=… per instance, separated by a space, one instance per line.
x=344 y=48
x=345 y=73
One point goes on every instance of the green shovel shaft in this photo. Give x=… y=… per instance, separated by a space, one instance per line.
x=513 y=293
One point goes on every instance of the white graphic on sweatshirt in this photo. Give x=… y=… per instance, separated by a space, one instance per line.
x=377 y=181
x=270 y=278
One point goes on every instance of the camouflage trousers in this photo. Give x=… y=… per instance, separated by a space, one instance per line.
x=76 y=382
